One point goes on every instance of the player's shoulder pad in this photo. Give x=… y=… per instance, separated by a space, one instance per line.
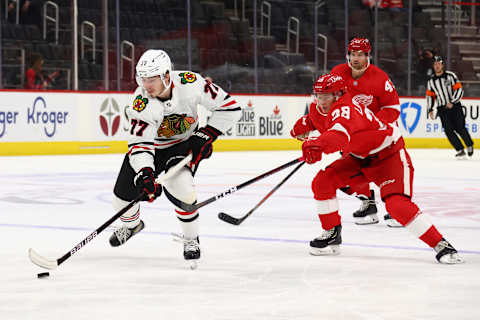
x=186 y=78
x=340 y=69
x=140 y=100
x=377 y=72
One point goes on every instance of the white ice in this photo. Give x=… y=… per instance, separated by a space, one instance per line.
x=258 y=270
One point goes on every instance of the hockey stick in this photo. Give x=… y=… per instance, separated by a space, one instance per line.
x=53 y=264
x=236 y=221
x=192 y=207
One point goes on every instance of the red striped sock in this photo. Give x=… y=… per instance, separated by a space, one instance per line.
x=431 y=236
x=330 y=220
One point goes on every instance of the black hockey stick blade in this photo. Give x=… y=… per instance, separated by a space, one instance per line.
x=195 y=206
x=230 y=219
x=237 y=221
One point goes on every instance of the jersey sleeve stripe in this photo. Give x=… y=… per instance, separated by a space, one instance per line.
x=393 y=106
x=141 y=147
x=160 y=144
x=234 y=109
x=140 y=143
x=228 y=104
x=138 y=152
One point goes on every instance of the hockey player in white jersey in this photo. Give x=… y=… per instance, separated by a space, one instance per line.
x=164 y=129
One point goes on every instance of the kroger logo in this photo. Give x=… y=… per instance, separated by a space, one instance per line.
x=410 y=115
x=49 y=120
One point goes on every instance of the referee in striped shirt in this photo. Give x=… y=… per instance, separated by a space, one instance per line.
x=444 y=92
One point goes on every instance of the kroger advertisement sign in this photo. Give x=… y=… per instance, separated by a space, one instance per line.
x=36 y=117
x=414 y=121
x=50 y=117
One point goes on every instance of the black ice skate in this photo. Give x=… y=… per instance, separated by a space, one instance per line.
x=470 y=151
x=461 y=155
x=122 y=234
x=328 y=243
x=191 y=249
x=446 y=253
x=367 y=214
x=391 y=222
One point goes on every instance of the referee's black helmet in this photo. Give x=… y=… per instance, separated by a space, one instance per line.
x=438 y=59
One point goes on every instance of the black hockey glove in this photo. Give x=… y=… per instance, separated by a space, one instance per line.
x=201 y=143
x=145 y=182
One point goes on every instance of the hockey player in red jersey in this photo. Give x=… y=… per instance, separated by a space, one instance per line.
x=372 y=87
x=373 y=149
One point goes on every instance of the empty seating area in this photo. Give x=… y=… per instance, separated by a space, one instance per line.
x=223 y=44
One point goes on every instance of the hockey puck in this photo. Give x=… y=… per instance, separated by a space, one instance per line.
x=43 y=275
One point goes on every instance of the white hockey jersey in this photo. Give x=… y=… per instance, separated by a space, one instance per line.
x=156 y=125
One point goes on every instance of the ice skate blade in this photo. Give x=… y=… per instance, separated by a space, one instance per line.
x=392 y=223
x=370 y=219
x=451 y=258
x=192 y=264
x=331 y=250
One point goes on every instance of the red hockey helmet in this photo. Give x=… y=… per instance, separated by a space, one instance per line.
x=330 y=83
x=360 y=44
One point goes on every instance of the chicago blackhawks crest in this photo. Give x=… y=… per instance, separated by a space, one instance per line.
x=175 y=124
x=140 y=103
x=187 y=77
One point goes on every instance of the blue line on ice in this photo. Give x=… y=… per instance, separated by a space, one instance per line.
x=28 y=226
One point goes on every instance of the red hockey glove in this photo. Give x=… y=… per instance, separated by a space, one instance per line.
x=201 y=143
x=312 y=150
x=301 y=128
x=145 y=182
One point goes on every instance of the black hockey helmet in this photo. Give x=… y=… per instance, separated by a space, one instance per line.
x=438 y=59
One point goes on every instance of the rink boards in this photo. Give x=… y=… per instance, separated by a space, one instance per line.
x=39 y=122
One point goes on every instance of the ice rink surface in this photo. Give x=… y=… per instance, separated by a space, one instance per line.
x=258 y=270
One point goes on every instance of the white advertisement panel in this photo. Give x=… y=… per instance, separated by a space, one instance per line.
x=37 y=117
x=414 y=122
x=49 y=117
x=267 y=117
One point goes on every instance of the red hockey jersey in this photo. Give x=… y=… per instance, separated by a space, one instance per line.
x=374 y=90
x=354 y=129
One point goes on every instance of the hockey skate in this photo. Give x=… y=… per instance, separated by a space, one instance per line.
x=446 y=253
x=122 y=234
x=367 y=214
x=391 y=222
x=191 y=249
x=470 y=151
x=328 y=243
x=461 y=155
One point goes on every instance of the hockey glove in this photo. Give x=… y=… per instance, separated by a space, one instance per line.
x=312 y=151
x=201 y=143
x=301 y=128
x=145 y=182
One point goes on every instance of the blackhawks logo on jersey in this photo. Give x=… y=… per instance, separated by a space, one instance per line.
x=139 y=103
x=187 y=77
x=175 y=124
